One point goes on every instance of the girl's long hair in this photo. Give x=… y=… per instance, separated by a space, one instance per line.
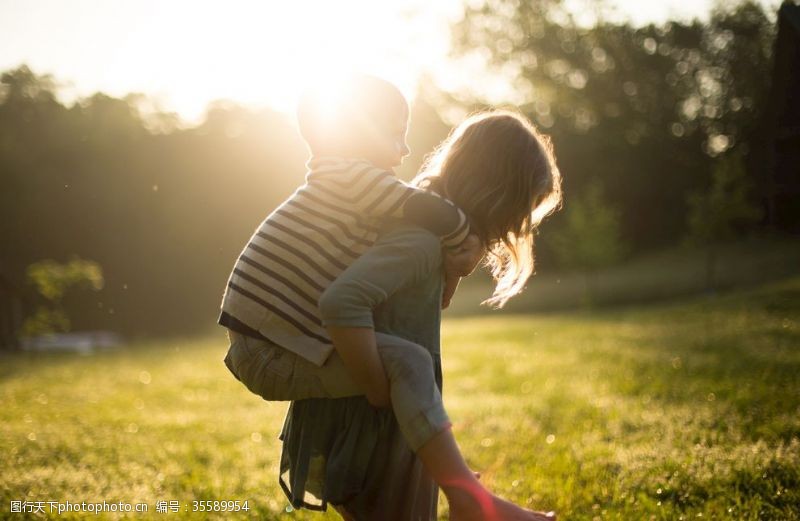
x=501 y=171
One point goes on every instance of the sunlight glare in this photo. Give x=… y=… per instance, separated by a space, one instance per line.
x=270 y=50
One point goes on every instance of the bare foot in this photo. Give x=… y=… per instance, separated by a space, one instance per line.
x=472 y=502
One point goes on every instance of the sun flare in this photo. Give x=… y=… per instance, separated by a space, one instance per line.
x=262 y=53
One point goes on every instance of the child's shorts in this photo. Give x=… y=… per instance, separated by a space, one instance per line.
x=277 y=374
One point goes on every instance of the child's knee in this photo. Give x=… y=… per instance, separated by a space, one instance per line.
x=421 y=357
x=229 y=364
x=403 y=358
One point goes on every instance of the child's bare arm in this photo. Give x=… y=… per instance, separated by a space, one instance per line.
x=463 y=260
x=460 y=262
x=377 y=193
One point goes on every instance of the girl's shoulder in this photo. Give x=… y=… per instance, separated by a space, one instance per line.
x=418 y=242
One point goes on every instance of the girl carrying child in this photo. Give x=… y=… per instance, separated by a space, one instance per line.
x=495 y=167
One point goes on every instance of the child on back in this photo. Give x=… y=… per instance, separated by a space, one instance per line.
x=298 y=250
x=280 y=348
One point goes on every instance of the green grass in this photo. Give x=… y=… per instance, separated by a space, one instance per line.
x=672 y=272
x=685 y=410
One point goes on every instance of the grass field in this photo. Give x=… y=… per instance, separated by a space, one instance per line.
x=681 y=410
x=652 y=276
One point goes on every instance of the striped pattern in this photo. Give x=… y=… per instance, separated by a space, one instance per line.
x=305 y=243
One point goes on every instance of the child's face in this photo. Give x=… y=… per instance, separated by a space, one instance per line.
x=393 y=148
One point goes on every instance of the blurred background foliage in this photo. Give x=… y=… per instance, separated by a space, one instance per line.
x=640 y=117
x=52 y=280
x=646 y=110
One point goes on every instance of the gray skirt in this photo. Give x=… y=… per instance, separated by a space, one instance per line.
x=344 y=451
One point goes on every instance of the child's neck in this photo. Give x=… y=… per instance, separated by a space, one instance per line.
x=324 y=159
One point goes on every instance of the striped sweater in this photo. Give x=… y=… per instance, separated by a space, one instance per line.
x=312 y=237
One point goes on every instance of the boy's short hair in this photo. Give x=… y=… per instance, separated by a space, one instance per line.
x=347 y=118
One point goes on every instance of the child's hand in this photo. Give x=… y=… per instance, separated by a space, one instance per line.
x=463 y=260
x=450 y=286
x=460 y=263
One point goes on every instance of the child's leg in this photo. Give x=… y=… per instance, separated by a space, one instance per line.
x=416 y=399
x=276 y=374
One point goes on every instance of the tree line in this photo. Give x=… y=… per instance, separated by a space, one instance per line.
x=640 y=117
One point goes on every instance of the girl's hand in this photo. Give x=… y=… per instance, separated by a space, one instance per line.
x=380 y=399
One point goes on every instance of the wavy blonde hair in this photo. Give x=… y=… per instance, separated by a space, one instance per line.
x=501 y=171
